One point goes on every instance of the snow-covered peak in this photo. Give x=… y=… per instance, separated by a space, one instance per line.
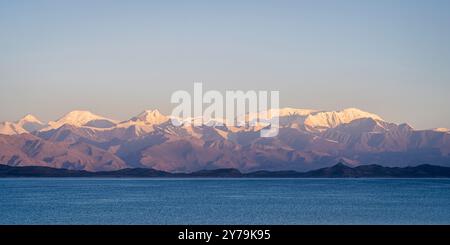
x=29 y=119
x=151 y=117
x=77 y=118
x=324 y=120
x=357 y=113
x=144 y=122
x=9 y=128
x=30 y=123
x=27 y=124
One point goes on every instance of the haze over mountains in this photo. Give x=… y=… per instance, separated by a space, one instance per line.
x=307 y=140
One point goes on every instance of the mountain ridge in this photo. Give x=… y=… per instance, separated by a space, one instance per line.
x=308 y=139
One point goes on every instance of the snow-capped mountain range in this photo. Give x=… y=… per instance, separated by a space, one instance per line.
x=308 y=139
x=27 y=124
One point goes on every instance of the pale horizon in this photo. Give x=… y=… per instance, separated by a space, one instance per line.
x=390 y=58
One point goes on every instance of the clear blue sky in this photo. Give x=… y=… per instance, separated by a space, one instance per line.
x=117 y=58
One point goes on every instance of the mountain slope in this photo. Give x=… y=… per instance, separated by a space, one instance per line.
x=26 y=149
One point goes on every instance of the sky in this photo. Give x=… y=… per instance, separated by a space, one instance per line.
x=118 y=58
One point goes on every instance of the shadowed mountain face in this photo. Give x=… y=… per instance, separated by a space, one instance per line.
x=307 y=140
x=26 y=149
x=337 y=171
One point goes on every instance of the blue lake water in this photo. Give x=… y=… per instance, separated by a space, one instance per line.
x=224 y=201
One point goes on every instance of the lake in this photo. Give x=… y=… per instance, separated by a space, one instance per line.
x=224 y=201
